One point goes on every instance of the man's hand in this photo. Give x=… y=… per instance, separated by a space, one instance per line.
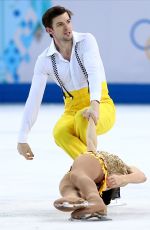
x=25 y=150
x=92 y=111
x=115 y=181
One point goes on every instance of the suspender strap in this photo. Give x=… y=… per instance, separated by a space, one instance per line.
x=81 y=65
x=63 y=88
x=57 y=77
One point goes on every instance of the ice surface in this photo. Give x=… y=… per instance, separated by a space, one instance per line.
x=28 y=188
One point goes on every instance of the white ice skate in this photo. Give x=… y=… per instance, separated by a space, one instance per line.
x=67 y=207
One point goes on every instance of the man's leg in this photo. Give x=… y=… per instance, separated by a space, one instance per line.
x=65 y=136
x=105 y=122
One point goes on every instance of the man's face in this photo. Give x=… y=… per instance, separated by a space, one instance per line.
x=61 y=28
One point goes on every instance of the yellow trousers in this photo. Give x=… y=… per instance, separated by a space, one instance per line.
x=70 y=130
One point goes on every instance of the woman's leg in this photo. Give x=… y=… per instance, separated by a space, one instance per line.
x=86 y=172
x=71 y=199
x=67 y=189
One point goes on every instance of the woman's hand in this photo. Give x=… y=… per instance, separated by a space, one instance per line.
x=92 y=111
x=115 y=181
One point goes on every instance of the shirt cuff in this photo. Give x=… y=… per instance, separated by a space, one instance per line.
x=22 y=138
x=95 y=97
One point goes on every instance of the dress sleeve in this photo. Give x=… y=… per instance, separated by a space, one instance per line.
x=115 y=165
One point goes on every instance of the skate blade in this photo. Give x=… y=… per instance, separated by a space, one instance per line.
x=91 y=217
x=117 y=202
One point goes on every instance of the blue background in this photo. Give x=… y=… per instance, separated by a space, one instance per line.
x=125 y=49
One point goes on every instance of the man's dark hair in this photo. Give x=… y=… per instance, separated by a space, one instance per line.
x=53 y=12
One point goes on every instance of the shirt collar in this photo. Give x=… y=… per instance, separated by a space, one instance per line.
x=77 y=37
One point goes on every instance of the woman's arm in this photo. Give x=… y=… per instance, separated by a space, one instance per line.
x=135 y=176
x=91 y=136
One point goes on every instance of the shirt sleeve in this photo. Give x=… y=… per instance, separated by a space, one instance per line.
x=94 y=67
x=33 y=101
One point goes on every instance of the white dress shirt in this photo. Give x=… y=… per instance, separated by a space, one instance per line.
x=69 y=72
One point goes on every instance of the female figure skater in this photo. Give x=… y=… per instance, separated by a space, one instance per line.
x=90 y=175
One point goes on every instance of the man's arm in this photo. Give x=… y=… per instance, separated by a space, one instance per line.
x=136 y=176
x=94 y=67
x=96 y=75
x=31 y=109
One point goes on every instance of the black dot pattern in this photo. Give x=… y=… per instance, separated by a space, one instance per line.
x=57 y=77
x=81 y=64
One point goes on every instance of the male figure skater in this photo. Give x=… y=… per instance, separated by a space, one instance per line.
x=73 y=61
